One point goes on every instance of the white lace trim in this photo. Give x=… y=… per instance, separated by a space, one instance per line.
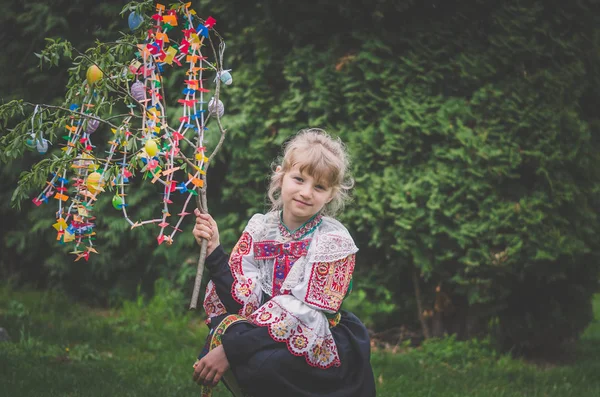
x=331 y=247
x=260 y=225
x=265 y=279
x=305 y=331
x=295 y=276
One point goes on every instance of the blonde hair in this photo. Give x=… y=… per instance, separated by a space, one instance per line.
x=320 y=156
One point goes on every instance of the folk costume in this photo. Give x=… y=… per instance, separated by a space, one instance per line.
x=274 y=305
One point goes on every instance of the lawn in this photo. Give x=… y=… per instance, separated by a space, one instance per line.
x=147 y=348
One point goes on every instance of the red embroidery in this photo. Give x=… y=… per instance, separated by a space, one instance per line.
x=285 y=255
x=329 y=282
x=212 y=304
x=242 y=287
x=319 y=350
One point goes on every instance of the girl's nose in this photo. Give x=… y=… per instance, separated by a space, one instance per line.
x=306 y=190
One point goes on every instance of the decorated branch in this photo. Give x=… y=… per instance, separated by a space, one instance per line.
x=116 y=93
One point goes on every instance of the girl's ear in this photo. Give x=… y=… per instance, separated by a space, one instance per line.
x=278 y=168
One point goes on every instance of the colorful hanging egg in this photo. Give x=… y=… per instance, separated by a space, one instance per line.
x=30 y=142
x=135 y=20
x=226 y=77
x=117 y=202
x=138 y=91
x=151 y=147
x=93 y=74
x=92 y=125
x=93 y=182
x=42 y=146
x=216 y=107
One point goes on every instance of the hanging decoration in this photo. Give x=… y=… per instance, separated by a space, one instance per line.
x=135 y=20
x=145 y=143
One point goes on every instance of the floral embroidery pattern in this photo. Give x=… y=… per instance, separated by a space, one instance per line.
x=285 y=255
x=319 y=350
x=212 y=304
x=329 y=282
x=243 y=286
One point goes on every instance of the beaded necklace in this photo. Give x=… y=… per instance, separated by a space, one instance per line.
x=307 y=228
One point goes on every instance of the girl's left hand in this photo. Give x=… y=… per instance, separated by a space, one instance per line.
x=210 y=369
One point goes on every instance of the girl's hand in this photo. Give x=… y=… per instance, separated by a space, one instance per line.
x=210 y=369
x=206 y=228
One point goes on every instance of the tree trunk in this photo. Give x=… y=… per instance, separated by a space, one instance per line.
x=424 y=325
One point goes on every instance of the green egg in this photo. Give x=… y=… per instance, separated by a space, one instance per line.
x=117 y=202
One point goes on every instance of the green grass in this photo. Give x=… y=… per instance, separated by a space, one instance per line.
x=147 y=348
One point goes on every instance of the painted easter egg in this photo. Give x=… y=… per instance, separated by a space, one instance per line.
x=93 y=74
x=92 y=125
x=151 y=147
x=226 y=78
x=135 y=20
x=117 y=202
x=138 y=91
x=42 y=146
x=215 y=108
x=93 y=182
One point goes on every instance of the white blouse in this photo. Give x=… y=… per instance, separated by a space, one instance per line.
x=305 y=279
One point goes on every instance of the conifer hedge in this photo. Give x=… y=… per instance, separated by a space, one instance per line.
x=474 y=134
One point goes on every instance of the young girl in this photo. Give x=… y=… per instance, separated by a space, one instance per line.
x=274 y=305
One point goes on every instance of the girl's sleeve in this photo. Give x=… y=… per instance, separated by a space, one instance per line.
x=327 y=285
x=220 y=283
x=234 y=287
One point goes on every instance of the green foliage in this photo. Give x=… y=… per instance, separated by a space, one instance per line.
x=163 y=312
x=76 y=354
x=370 y=310
x=125 y=261
x=83 y=352
x=458 y=355
x=472 y=128
x=17 y=309
x=472 y=138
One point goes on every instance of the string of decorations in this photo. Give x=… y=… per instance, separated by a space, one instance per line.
x=160 y=156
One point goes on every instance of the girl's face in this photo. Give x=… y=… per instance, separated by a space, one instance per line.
x=302 y=196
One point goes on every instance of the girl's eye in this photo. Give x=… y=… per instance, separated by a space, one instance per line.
x=320 y=187
x=298 y=179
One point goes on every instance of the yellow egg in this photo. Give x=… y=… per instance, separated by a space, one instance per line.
x=93 y=182
x=151 y=148
x=93 y=74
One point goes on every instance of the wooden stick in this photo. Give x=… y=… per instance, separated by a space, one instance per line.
x=201 y=201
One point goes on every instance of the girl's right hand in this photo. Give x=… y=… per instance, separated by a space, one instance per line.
x=206 y=229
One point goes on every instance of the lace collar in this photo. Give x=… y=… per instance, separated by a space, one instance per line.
x=303 y=231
